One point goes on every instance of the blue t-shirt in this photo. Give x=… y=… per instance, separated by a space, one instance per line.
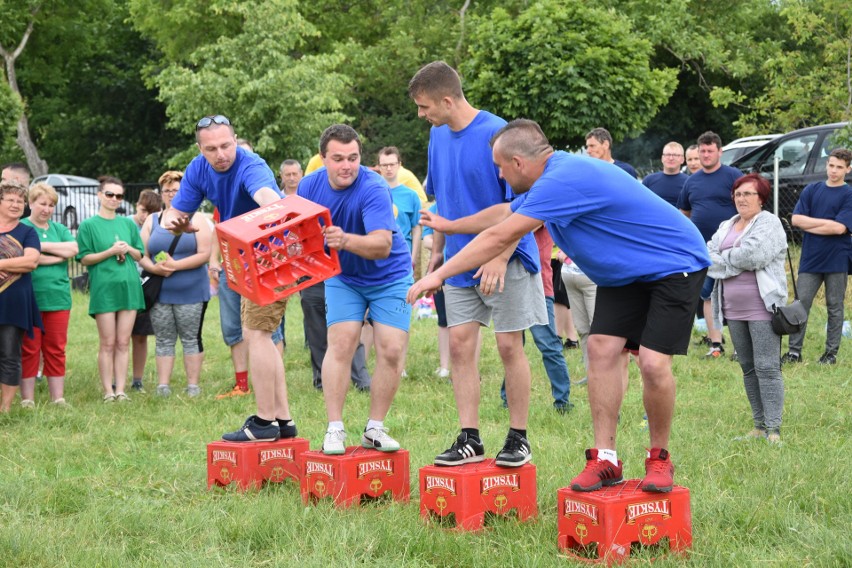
x=17 y=300
x=463 y=178
x=231 y=191
x=189 y=286
x=826 y=253
x=626 y=167
x=666 y=186
x=708 y=198
x=609 y=225
x=407 y=210
x=363 y=207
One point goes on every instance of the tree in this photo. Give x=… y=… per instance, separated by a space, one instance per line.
x=568 y=66
x=20 y=21
x=247 y=66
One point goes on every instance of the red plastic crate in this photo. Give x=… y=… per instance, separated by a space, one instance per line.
x=274 y=251
x=250 y=464
x=602 y=526
x=470 y=491
x=359 y=472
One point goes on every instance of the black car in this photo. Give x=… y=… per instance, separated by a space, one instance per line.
x=803 y=155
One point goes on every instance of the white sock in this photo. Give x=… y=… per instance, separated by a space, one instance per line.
x=337 y=425
x=374 y=424
x=609 y=455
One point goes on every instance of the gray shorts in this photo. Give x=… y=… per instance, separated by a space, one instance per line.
x=519 y=306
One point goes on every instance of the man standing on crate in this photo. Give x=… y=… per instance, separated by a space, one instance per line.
x=237 y=181
x=375 y=274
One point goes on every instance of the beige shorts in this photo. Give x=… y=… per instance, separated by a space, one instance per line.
x=263 y=318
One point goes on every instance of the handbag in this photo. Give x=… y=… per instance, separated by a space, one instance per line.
x=792 y=317
x=152 y=283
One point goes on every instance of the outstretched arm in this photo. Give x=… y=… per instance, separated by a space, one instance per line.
x=472 y=224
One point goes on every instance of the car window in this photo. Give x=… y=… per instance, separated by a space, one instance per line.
x=829 y=143
x=794 y=153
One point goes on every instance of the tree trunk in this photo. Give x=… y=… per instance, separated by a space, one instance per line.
x=38 y=167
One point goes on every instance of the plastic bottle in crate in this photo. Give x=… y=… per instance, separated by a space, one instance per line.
x=294 y=245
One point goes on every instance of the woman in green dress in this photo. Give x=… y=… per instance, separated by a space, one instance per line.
x=107 y=241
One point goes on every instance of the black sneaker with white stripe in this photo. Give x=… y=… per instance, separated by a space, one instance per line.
x=516 y=451
x=464 y=450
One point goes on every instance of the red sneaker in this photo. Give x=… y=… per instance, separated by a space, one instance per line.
x=659 y=472
x=237 y=391
x=598 y=473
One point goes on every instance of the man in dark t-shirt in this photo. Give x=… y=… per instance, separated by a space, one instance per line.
x=669 y=182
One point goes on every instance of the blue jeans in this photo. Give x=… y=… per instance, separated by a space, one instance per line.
x=548 y=343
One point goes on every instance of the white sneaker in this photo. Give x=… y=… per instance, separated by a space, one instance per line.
x=442 y=373
x=378 y=439
x=27 y=403
x=334 y=443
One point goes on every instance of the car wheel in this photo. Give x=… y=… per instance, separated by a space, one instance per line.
x=69 y=218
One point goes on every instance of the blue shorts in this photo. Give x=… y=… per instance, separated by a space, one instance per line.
x=707 y=288
x=386 y=303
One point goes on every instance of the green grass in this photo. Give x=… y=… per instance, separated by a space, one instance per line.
x=125 y=485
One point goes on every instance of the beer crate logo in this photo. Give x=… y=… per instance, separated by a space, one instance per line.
x=571 y=507
x=434 y=482
x=266 y=456
x=267 y=213
x=314 y=468
x=637 y=510
x=225 y=456
x=509 y=481
x=381 y=466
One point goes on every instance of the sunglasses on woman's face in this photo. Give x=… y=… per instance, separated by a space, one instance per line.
x=111 y=195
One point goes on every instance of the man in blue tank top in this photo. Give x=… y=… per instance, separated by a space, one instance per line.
x=375 y=275
x=237 y=181
x=648 y=267
x=464 y=180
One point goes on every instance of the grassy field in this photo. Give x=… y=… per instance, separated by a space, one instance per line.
x=125 y=484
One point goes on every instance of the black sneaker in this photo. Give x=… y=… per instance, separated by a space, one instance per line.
x=251 y=431
x=516 y=451
x=791 y=357
x=137 y=386
x=827 y=359
x=287 y=430
x=563 y=407
x=464 y=450
x=571 y=344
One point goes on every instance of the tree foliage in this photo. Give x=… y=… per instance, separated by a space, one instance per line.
x=278 y=98
x=569 y=66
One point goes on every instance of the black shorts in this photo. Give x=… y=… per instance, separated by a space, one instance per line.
x=657 y=315
x=560 y=294
x=142 y=325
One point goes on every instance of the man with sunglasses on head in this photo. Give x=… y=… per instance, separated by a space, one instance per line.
x=237 y=181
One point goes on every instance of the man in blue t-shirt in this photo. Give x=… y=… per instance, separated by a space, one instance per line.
x=237 y=181
x=669 y=182
x=508 y=289
x=706 y=200
x=649 y=268
x=375 y=275
x=405 y=200
x=824 y=213
x=599 y=145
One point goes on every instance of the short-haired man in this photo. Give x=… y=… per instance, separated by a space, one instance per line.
x=290 y=173
x=405 y=200
x=599 y=145
x=669 y=182
x=149 y=202
x=706 y=200
x=508 y=290
x=375 y=275
x=236 y=182
x=649 y=269
x=824 y=213
x=15 y=171
x=693 y=161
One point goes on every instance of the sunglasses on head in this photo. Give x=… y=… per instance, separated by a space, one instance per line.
x=111 y=195
x=209 y=120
